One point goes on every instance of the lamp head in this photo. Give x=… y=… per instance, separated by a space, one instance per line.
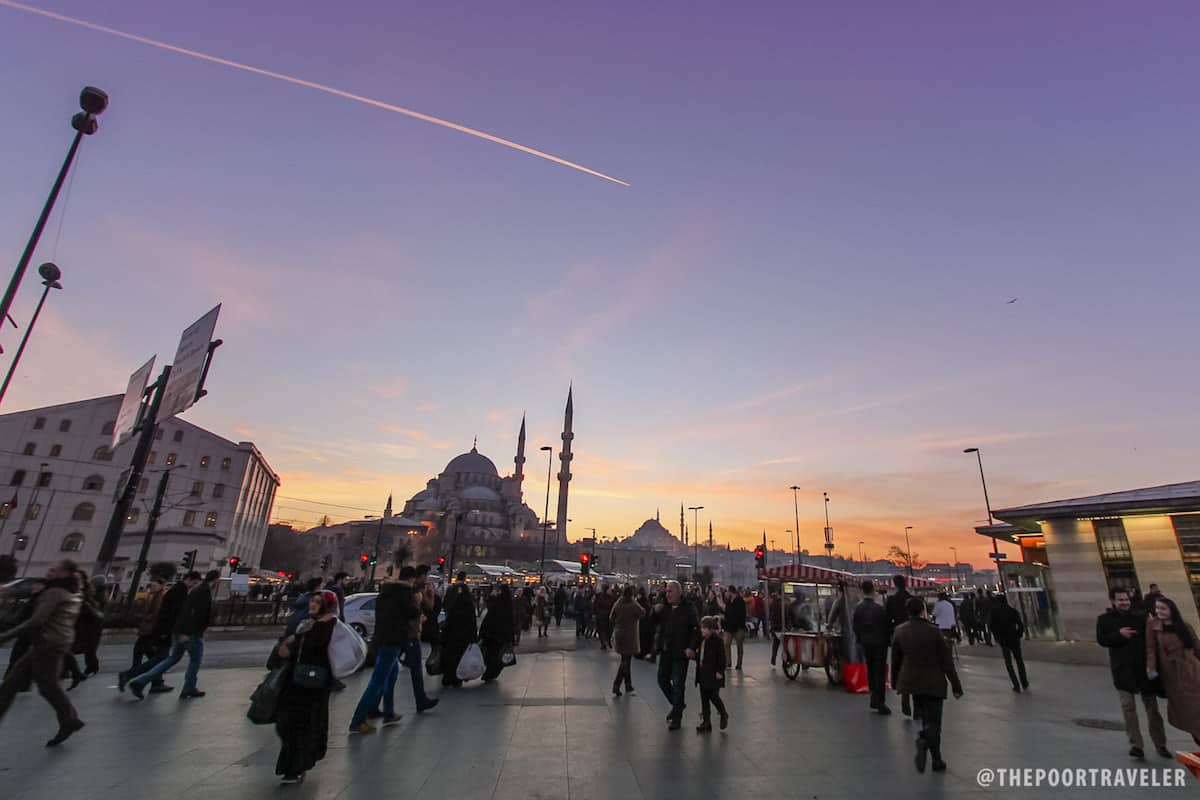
x=545 y=448
x=971 y=450
x=92 y=100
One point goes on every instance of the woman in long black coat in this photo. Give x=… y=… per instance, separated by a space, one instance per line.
x=302 y=717
x=497 y=631
x=459 y=632
x=646 y=629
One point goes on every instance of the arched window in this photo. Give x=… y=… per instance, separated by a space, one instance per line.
x=93 y=483
x=73 y=543
x=102 y=453
x=83 y=513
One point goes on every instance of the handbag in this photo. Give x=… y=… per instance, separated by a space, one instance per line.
x=264 y=701
x=310 y=676
x=433 y=664
x=507 y=656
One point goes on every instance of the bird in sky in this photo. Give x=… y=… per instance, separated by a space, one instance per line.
x=1010 y=302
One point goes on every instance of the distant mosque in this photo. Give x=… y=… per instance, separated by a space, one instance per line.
x=486 y=514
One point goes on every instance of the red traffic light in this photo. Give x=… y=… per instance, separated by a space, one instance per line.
x=441 y=560
x=585 y=558
x=282 y=574
x=364 y=558
x=758 y=551
x=234 y=561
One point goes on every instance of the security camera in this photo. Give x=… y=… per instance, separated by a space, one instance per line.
x=93 y=100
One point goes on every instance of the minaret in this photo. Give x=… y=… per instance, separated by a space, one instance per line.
x=682 y=525
x=387 y=510
x=520 y=459
x=710 y=538
x=564 y=475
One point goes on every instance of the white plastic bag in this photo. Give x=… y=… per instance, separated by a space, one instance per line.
x=347 y=650
x=470 y=666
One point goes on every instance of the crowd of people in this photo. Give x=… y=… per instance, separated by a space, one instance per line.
x=1154 y=653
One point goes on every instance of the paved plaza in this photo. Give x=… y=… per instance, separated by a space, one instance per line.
x=549 y=728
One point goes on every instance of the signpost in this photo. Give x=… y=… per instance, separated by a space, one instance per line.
x=998 y=556
x=189 y=369
x=127 y=416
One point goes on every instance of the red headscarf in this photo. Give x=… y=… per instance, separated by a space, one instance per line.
x=329 y=602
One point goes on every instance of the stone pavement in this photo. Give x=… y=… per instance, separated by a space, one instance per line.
x=550 y=729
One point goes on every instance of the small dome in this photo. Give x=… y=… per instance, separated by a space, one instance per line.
x=479 y=493
x=472 y=463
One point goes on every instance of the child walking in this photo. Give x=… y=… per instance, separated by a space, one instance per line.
x=710 y=674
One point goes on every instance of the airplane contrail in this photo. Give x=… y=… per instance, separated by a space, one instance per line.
x=320 y=87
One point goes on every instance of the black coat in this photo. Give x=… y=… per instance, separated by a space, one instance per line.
x=498 y=626
x=196 y=614
x=678 y=629
x=168 y=612
x=710 y=663
x=735 y=614
x=1126 y=657
x=921 y=660
x=460 y=628
x=1007 y=627
x=897 y=610
x=870 y=623
x=396 y=615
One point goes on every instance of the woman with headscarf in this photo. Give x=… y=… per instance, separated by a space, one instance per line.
x=302 y=717
x=646 y=630
x=626 y=617
x=459 y=631
x=1173 y=654
x=496 y=632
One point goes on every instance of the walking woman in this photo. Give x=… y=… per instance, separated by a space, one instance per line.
x=89 y=625
x=459 y=631
x=497 y=632
x=645 y=629
x=626 y=619
x=302 y=721
x=542 y=612
x=1173 y=654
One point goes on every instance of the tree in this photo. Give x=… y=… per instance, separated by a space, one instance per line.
x=900 y=558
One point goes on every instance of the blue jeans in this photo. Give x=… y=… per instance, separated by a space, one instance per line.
x=382 y=685
x=672 y=679
x=194 y=647
x=412 y=659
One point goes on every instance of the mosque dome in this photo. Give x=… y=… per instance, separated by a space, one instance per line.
x=472 y=463
x=479 y=492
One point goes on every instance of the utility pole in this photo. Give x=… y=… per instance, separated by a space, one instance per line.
x=796 y=509
x=151 y=526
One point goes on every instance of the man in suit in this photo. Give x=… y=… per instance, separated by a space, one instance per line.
x=1008 y=630
x=897 y=612
x=921 y=665
x=871 y=629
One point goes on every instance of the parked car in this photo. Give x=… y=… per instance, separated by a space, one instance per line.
x=21 y=587
x=360 y=613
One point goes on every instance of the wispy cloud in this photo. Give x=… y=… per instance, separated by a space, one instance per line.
x=391 y=389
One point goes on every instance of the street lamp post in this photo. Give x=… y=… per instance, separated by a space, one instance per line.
x=828 y=532
x=796 y=509
x=987 y=503
x=908 y=547
x=50 y=276
x=93 y=101
x=696 y=537
x=955 y=551
x=546 y=513
x=862 y=560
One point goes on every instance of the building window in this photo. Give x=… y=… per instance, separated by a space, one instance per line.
x=44 y=478
x=56 y=451
x=226 y=462
x=197 y=488
x=158 y=434
x=133 y=516
x=5 y=507
x=102 y=453
x=1115 y=554
x=64 y=426
x=83 y=513
x=108 y=428
x=171 y=459
x=210 y=520
x=34 y=511
x=204 y=462
x=1187 y=533
x=218 y=490
x=178 y=437
x=189 y=519
x=93 y=483
x=153 y=457
x=144 y=485
x=30 y=448
x=18 y=478
x=73 y=543
x=39 y=424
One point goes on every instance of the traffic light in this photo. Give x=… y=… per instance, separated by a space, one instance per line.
x=325 y=562
x=364 y=559
x=189 y=561
x=760 y=557
x=233 y=563
x=585 y=564
x=441 y=562
x=373 y=561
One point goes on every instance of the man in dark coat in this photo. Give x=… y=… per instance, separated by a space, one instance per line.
x=155 y=638
x=735 y=626
x=897 y=612
x=871 y=627
x=921 y=665
x=1008 y=629
x=968 y=614
x=194 y=619
x=983 y=615
x=775 y=609
x=1122 y=629
x=338 y=587
x=678 y=634
x=560 y=604
x=602 y=607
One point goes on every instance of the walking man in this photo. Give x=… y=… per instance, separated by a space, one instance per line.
x=560 y=605
x=921 y=665
x=1008 y=629
x=51 y=629
x=967 y=613
x=897 y=612
x=194 y=619
x=871 y=628
x=983 y=613
x=678 y=635
x=735 y=627
x=1123 y=631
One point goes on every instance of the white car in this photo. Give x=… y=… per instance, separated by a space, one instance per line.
x=360 y=613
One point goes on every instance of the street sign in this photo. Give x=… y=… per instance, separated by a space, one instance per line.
x=127 y=416
x=997 y=556
x=188 y=367
x=239 y=583
x=828 y=537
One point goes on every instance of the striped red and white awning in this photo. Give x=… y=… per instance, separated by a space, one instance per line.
x=815 y=574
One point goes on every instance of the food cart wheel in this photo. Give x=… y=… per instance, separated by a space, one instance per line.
x=791 y=668
x=833 y=668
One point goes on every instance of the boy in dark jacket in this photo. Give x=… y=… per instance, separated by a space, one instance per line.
x=710 y=675
x=1122 y=630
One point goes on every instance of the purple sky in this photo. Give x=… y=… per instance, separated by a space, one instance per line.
x=806 y=282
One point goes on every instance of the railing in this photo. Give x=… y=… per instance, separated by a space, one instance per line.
x=229 y=612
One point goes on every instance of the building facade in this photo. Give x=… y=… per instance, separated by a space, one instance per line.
x=1087 y=545
x=59 y=480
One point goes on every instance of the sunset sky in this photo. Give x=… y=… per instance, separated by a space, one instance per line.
x=806 y=282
